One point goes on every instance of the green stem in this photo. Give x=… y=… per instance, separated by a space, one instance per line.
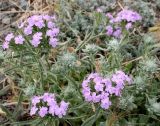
x=36 y=58
x=86 y=41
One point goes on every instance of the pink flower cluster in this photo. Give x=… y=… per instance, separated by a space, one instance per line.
x=127 y=16
x=36 y=27
x=47 y=104
x=97 y=89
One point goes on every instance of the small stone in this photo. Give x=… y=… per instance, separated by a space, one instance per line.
x=2 y=16
x=6 y=20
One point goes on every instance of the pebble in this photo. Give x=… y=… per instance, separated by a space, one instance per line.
x=6 y=20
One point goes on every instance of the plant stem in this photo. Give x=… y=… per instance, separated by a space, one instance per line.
x=86 y=41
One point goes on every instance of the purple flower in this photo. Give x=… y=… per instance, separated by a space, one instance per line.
x=19 y=39
x=47 y=17
x=53 y=42
x=62 y=110
x=128 y=26
x=43 y=111
x=36 y=39
x=128 y=15
x=86 y=91
x=120 y=78
x=52 y=110
x=117 y=91
x=53 y=32
x=105 y=103
x=128 y=79
x=35 y=100
x=96 y=98
x=28 y=30
x=48 y=105
x=9 y=37
x=5 y=45
x=64 y=105
x=104 y=95
x=37 y=36
x=109 y=30
x=40 y=24
x=110 y=89
x=33 y=110
x=31 y=21
x=117 y=33
x=109 y=15
x=51 y=24
x=104 y=87
x=92 y=76
x=58 y=112
x=99 y=86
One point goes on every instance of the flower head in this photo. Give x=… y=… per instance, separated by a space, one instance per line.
x=28 y=30
x=117 y=33
x=51 y=24
x=33 y=110
x=103 y=87
x=35 y=100
x=105 y=103
x=5 y=45
x=128 y=15
x=53 y=42
x=109 y=30
x=43 y=111
x=48 y=105
x=36 y=39
x=19 y=39
x=9 y=37
x=128 y=26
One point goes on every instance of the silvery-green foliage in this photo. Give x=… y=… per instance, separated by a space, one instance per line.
x=148 y=39
x=29 y=90
x=147 y=46
x=140 y=82
x=127 y=102
x=149 y=65
x=80 y=22
x=153 y=106
x=146 y=10
x=65 y=63
x=90 y=48
x=67 y=59
x=158 y=3
x=92 y=5
x=104 y=66
x=113 y=45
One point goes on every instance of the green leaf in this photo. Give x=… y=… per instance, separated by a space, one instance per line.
x=75 y=118
x=28 y=122
x=17 y=110
x=90 y=121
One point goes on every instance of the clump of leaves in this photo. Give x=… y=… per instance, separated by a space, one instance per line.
x=146 y=9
